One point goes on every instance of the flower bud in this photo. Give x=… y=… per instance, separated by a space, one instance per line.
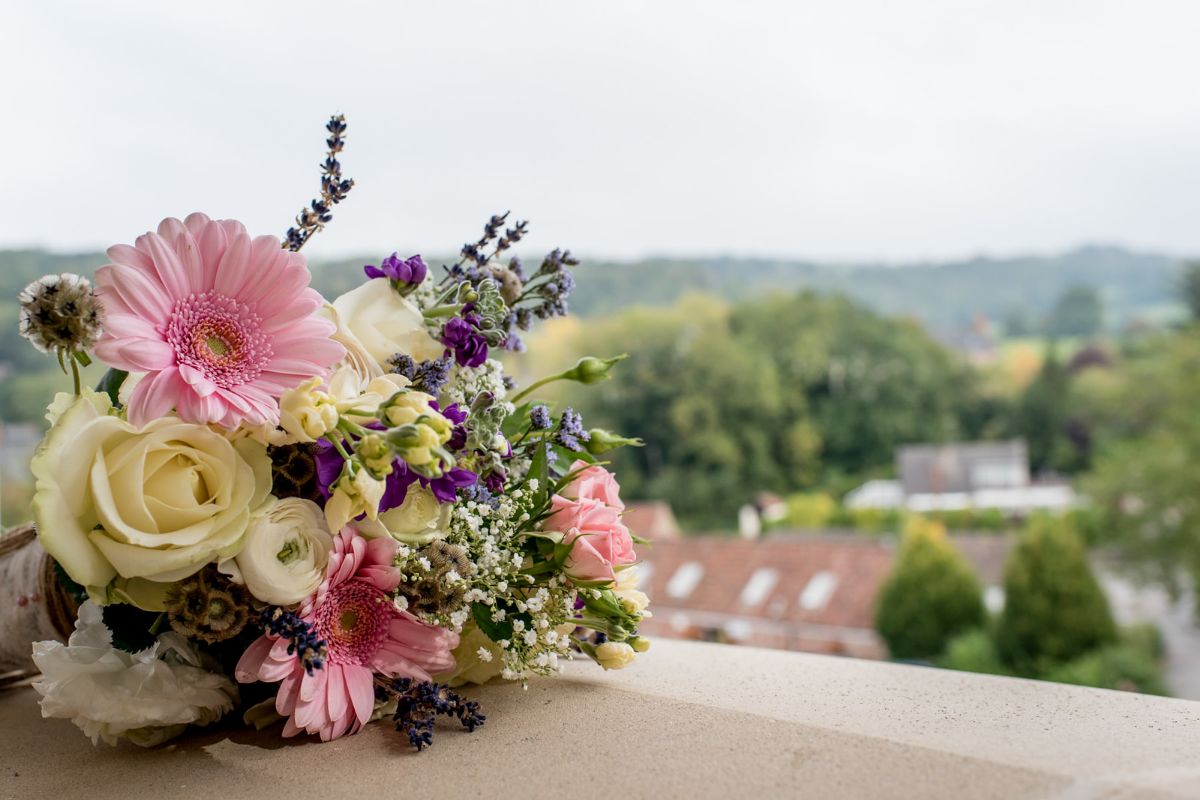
x=306 y=413
x=601 y=441
x=615 y=655
x=409 y=407
x=640 y=644
x=592 y=370
x=376 y=455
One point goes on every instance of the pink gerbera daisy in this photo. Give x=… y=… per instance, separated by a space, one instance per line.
x=221 y=324
x=364 y=634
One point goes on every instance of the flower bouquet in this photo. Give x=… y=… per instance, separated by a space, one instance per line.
x=320 y=513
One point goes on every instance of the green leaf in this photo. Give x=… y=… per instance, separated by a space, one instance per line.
x=494 y=630
x=110 y=384
x=539 y=469
x=516 y=421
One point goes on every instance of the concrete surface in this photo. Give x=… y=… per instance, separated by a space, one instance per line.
x=687 y=720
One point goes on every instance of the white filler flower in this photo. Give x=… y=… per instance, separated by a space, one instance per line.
x=147 y=697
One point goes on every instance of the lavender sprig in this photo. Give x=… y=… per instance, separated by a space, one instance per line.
x=419 y=703
x=302 y=639
x=334 y=189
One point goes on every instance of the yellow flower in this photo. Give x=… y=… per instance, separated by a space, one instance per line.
x=615 y=655
x=156 y=503
x=306 y=413
x=352 y=496
x=633 y=601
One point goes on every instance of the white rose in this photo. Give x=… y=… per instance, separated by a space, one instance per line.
x=287 y=547
x=146 y=697
x=157 y=503
x=357 y=360
x=419 y=519
x=380 y=323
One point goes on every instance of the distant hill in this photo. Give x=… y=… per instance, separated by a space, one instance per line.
x=1134 y=286
x=942 y=295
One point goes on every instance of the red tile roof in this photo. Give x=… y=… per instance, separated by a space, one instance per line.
x=858 y=563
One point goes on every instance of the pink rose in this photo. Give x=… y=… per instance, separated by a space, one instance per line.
x=588 y=513
x=596 y=483
x=595 y=555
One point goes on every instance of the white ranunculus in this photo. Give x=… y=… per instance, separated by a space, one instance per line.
x=156 y=503
x=380 y=323
x=146 y=697
x=419 y=519
x=284 y=556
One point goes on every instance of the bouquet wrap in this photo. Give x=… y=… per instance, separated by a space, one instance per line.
x=34 y=606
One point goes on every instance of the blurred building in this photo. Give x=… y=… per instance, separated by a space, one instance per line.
x=652 y=519
x=810 y=592
x=953 y=477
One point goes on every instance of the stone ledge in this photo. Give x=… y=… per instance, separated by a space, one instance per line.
x=690 y=720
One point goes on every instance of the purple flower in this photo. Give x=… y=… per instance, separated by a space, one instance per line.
x=495 y=481
x=458 y=436
x=461 y=335
x=539 y=418
x=445 y=488
x=329 y=467
x=571 y=433
x=404 y=270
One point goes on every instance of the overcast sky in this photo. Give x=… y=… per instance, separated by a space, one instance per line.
x=842 y=130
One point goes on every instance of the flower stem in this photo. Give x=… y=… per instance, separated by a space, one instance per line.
x=75 y=374
x=337 y=445
x=521 y=395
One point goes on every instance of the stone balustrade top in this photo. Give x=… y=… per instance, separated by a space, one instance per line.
x=687 y=720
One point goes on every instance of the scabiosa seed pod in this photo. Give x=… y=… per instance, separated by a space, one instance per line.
x=60 y=312
x=441 y=588
x=207 y=607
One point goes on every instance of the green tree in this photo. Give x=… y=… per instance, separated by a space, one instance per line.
x=930 y=597
x=1145 y=487
x=1058 y=440
x=779 y=394
x=1078 y=312
x=1054 y=609
x=1189 y=288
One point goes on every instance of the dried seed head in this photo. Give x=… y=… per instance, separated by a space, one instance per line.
x=60 y=312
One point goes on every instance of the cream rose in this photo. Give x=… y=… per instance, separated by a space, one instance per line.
x=157 y=503
x=419 y=519
x=379 y=323
x=477 y=659
x=284 y=556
